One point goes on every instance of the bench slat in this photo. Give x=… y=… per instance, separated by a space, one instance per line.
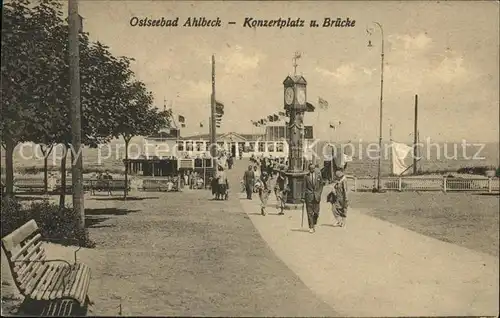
x=77 y=281
x=28 y=245
x=44 y=280
x=64 y=292
x=31 y=284
x=31 y=253
x=50 y=282
x=22 y=269
x=80 y=285
x=30 y=271
x=85 y=287
x=60 y=283
x=40 y=281
x=18 y=236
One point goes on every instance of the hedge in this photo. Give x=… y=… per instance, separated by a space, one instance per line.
x=55 y=223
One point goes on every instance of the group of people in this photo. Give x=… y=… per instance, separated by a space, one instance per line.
x=220 y=184
x=337 y=196
x=257 y=178
x=192 y=179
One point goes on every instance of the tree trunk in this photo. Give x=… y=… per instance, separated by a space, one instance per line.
x=46 y=152
x=127 y=140
x=62 y=196
x=9 y=167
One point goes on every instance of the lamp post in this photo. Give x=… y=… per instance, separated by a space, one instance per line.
x=381 y=101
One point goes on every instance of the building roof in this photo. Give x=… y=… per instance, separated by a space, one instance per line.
x=229 y=135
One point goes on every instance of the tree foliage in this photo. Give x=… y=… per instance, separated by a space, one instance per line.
x=35 y=89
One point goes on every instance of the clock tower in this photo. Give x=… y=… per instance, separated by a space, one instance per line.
x=295 y=102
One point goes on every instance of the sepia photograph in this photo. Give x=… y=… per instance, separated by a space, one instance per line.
x=250 y=158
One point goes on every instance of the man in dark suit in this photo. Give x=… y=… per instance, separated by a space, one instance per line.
x=249 y=180
x=313 y=187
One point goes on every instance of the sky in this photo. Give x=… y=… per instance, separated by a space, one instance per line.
x=446 y=52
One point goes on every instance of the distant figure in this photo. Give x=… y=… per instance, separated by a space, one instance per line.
x=214 y=183
x=338 y=198
x=241 y=155
x=264 y=192
x=230 y=162
x=222 y=184
x=107 y=176
x=170 y=185
x=249 y=181
x=313 y=187
x=257 y=173
x=281 y=191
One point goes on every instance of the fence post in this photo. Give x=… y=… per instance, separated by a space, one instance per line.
x=400 y=184
x=489 y=184
x=444 y=184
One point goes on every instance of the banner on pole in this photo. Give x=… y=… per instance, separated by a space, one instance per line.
x=399 y=152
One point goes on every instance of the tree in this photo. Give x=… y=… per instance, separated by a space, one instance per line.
x=138 y=118
x=17 y=80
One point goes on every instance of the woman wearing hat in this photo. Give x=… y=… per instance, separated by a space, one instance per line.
x=338 y=198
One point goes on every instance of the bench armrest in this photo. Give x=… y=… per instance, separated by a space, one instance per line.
x=53 y=239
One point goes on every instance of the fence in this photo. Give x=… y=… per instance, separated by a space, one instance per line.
x=445 y=184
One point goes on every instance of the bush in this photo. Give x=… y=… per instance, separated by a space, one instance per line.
x=55 y=223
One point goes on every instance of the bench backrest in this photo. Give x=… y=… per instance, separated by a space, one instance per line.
x=21 y=246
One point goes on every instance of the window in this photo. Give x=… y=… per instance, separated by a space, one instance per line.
x=199 y=145
x=261 y=147
x=270 y=146
x=189 y=146
x=279 y=146
x=251 y=147
x=180 y=145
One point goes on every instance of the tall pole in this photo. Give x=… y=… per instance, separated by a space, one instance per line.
x=390 y=141
x=415 y=137
x=213 y=148
x=76 y=122
x=381 y=105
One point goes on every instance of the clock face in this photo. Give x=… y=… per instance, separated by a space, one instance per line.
x=289 y=94
x=301 y=96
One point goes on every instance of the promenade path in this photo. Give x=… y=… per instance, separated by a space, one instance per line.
x=182 y=254
x=375 y=268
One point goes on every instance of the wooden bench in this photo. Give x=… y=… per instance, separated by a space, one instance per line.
x=28 y=185
x=157 y=185
x=51 y=287
x=107 y=185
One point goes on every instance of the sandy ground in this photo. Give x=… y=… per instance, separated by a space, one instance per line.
x=375 y=268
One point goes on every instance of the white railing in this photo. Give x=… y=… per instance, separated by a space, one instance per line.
x=445 y=184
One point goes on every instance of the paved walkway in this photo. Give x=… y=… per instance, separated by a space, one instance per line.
x=374 y=268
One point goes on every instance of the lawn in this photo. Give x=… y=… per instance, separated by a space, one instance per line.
x=466 y=219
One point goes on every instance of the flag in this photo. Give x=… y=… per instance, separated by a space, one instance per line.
x=276 y=117
x=399 y=153
x=282 y=114
x=332 y=126
x=323 y=104
x=201 y=124
x=182 y=119
x=298 y=55
x=219 y=107
x=270 y=118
